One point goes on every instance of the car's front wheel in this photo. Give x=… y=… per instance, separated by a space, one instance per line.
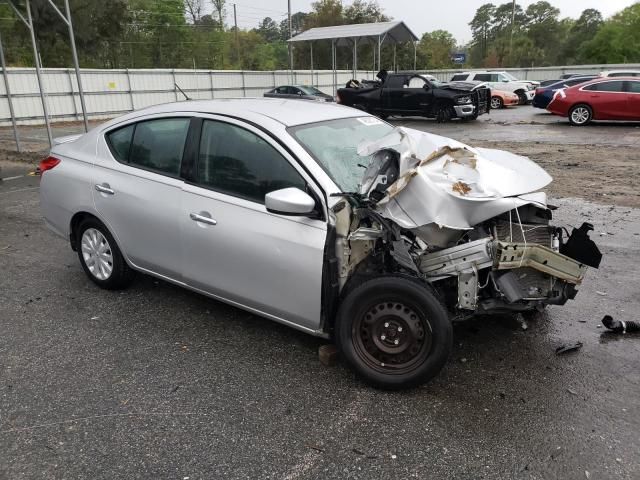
x=100 y=256
x=580 y=115
x=394 y=332
x=522 y=97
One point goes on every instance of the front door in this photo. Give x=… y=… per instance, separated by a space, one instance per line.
x=633 y=99
x=232 y=247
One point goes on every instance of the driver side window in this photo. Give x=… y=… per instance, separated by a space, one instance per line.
x=238 y=162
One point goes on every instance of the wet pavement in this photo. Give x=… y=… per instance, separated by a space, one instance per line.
x=159 y=382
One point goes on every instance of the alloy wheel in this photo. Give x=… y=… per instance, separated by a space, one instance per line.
x=97 y=254
x=580 y=115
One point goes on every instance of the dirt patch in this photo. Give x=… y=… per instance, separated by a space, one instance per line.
x=601 y=174
x=29 y=158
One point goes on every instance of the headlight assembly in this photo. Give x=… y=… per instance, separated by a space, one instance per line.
x=463 y=100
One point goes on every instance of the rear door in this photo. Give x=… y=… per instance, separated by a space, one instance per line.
x=632 y=88
x=138 y=191
x=608 y=100
x=393 y=93
x=232 y=247
x=418 y=95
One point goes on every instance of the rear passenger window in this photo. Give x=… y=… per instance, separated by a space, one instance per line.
x=482 y=77
x=395 y=81
x=120 y=141
x=153 y=144
x=633 y=87
x=237 y=162
x=158 y=145
x=459 y=78
x=606 y=86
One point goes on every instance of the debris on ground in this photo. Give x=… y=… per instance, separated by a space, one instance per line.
x=620 y=326
x=328 y=355
x=604 y=294
x=571 y=347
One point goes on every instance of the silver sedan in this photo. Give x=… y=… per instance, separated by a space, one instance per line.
x=320 y=217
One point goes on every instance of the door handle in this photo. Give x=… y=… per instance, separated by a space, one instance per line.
x=105 y=189
x=196 y=217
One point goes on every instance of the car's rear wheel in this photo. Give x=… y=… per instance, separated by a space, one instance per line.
x=522 y=96
x=100 y=257
x=496 y=103
x=580 y=115
x=394 y=332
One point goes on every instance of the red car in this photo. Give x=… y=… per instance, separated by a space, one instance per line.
x=601 y=99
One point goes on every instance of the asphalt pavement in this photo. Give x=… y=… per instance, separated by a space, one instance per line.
x=159 y=382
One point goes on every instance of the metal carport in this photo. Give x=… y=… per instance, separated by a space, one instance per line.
x=350 y=35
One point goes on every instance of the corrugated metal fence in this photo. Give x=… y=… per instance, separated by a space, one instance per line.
x=112 y=92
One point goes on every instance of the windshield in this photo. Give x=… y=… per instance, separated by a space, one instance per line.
x=334 y=145
x=310 y=90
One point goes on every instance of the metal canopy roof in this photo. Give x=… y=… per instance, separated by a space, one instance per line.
x=393 y=32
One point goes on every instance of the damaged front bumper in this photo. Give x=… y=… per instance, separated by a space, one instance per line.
x=465 y=111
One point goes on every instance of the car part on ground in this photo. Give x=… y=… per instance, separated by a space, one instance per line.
x=620 y=326
x=347 y=227
x=413 y=94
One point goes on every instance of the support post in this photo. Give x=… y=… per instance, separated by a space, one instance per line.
x=76 y=65
x=8 y=90
x=333 y=62
x=311 y=50
x=355 y=58
x=130 y=90
x=395 y=66
x=29 y=24
x=415 y=54
x=379 y=57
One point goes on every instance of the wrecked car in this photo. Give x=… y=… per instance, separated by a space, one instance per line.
x=414 y=94
x=325 y=219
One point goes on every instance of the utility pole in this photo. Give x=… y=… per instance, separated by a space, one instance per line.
x=235 y=23
x=513 y=21
x=290 y=35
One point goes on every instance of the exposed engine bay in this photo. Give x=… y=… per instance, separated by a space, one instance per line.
x=472 y=222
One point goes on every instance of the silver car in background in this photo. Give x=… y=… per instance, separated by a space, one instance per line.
x=322 y=218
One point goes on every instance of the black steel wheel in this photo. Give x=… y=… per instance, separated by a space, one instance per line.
x=394 y=332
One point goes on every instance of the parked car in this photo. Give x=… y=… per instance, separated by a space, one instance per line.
x=546 y=83
x=566 y=76
x=620 y=73
x=544 y=95
x=304 y=92
x=414 y=95
x=266 y=206
x=502 y=99
x=600 y=99
x=501 y=81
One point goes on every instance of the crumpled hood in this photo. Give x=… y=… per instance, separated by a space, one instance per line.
x=461 y=86
x=450 y=184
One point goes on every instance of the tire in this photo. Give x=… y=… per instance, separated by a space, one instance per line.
x=444 y=113
x=100 y=257
x=522 y=96
x=394 y=332
x=496 y=103
x=580 y=115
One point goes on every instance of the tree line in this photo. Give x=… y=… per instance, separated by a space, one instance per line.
x=197 y=34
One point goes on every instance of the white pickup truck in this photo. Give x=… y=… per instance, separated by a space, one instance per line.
x=525 y=89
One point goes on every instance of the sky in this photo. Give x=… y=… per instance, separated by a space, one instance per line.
x=420 y=15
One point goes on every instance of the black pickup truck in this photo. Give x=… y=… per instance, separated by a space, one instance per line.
x=413 y=94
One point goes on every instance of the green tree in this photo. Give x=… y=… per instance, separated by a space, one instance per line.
x=435 y=49
x=617 y=40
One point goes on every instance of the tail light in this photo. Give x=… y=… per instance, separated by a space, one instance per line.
x=47 y=164
x=538 y=91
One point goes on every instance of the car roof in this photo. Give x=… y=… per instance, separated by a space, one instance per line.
x=619 y=71
x=284 y=111
x=605 y=80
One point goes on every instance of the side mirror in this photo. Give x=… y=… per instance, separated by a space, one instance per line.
x=289 y=201
x=299 y=94
x=505 y=80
